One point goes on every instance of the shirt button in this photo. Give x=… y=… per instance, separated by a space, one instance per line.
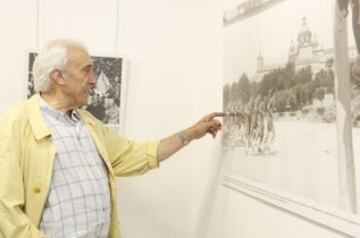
x=37 y=190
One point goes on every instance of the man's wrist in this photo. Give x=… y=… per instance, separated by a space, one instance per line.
x=190 y=133
x=183 y=137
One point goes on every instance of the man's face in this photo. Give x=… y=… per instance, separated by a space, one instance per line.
x=79 y=77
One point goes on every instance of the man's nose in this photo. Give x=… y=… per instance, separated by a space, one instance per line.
x=92 y=78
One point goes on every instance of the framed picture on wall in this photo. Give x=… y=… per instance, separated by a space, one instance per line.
x=107 y=99
x=281 y=132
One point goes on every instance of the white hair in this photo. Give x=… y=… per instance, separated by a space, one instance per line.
x=54 y=55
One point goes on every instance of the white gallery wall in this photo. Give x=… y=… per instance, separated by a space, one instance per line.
x=174 y=73
x=171 y=52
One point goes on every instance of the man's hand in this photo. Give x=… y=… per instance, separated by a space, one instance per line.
x=208 y=124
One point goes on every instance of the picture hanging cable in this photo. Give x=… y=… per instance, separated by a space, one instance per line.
x=37 y=33
x=117 y=26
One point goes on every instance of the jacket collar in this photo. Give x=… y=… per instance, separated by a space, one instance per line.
x=38 y=123
x=36 y=119
x=85 y=117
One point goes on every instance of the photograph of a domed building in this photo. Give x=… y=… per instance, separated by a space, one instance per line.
x=279 y=96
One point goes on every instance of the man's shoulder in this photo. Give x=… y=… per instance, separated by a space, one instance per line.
x=21 y=111
x=15 y=117
x=16 y=112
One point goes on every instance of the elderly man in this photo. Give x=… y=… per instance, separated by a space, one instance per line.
x=58 y=163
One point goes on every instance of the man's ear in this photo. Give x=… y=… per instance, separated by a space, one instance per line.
x=57 y=77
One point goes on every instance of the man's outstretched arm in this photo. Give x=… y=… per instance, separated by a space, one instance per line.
x=208 y=124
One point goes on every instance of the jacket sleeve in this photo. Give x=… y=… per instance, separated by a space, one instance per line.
x=13 y=221
x=129 y=158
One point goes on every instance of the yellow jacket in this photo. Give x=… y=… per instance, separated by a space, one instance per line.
x=26 y=160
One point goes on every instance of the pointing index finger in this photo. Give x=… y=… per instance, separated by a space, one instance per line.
x=215 y=114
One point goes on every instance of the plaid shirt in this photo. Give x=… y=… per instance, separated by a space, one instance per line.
x=78 y=203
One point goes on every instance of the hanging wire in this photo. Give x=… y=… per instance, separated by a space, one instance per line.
x=37 y=27
x=117 y=27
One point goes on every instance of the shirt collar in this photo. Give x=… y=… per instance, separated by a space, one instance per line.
x=71 y=117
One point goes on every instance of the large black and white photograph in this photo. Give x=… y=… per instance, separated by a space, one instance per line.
x=105 y=100
x=280 y=97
